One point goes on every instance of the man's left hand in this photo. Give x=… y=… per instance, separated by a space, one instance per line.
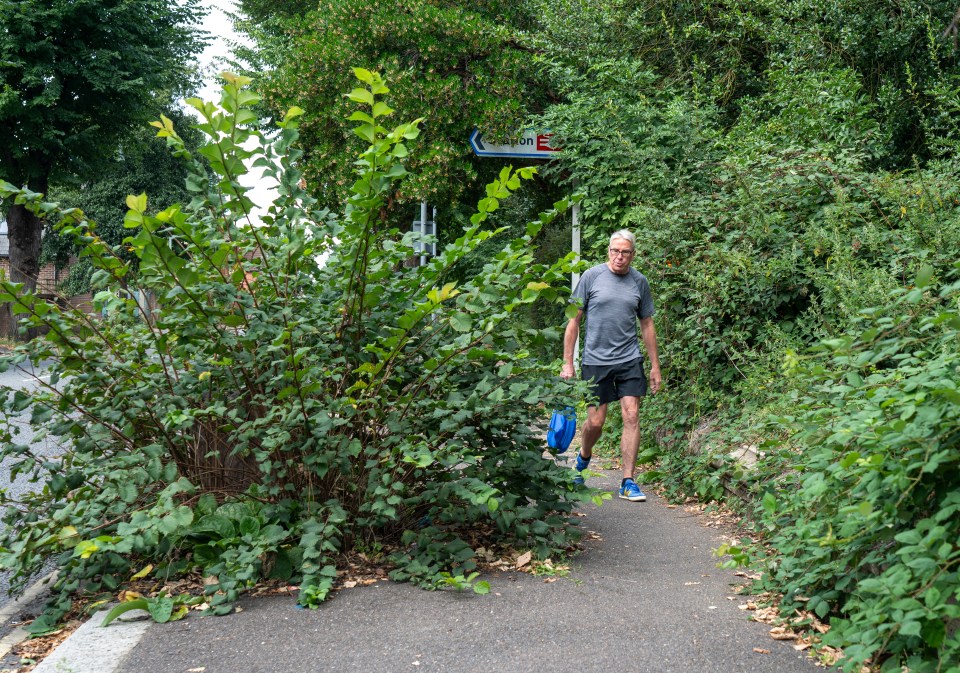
x=655 y=380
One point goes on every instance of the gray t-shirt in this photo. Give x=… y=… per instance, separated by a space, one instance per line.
x=611 y=306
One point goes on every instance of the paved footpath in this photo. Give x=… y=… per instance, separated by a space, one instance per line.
x=646 y=598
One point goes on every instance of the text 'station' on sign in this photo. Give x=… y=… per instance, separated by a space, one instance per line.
x=531 y=145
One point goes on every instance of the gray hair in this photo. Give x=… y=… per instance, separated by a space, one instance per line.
x=626 y=236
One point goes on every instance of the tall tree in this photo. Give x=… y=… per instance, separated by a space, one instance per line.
x=461 y=65
x=74 y=75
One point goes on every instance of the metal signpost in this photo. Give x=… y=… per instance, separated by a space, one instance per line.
x=423 y=228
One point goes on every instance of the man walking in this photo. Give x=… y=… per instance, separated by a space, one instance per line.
x=613 y=297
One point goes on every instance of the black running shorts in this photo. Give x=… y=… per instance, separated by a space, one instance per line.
x=611 y=382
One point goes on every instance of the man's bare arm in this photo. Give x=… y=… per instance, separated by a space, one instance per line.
x=570 y=344
x=649 y=334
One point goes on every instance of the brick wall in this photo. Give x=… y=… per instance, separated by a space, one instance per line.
x=47 y=283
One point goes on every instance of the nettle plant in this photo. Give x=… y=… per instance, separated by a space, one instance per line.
x=294 y=391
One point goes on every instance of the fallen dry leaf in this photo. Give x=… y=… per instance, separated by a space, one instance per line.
x=809 y=617
x=829 y=655
x=782 y=633
x=349 y=584
x=486 y=554
x=38 y=648
x=550 y=580
x=766 y=615
x=760 y=650
x=523 y=559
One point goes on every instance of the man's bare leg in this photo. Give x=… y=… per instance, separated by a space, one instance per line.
x=592 y=429
x=630 y=439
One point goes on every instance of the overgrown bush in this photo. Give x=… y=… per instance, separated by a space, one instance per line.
x=862 y=503
x=295 y=392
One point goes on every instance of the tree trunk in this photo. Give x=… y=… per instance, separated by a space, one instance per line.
x=24 y=230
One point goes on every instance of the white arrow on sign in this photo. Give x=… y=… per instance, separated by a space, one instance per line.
x=531 y=145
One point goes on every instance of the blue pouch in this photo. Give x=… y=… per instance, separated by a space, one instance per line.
x=563 y=426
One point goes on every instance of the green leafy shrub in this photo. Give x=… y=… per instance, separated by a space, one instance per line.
x=864 y=511
x=771 y=162
x=272 y=410
x=630 y=144
x=141 y=165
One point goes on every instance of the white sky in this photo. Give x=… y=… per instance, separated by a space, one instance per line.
x=221 y=36
x=221 y=32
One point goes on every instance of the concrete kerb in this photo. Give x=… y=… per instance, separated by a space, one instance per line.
x=89 y=649
x=10 y=610
x=95 y=649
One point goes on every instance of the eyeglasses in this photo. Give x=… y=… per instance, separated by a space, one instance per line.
x=620 y=253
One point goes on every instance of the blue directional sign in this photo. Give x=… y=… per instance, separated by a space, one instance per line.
x=531 y=145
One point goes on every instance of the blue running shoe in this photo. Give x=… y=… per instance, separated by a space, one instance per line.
x=579 y=467
x=630 y=491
